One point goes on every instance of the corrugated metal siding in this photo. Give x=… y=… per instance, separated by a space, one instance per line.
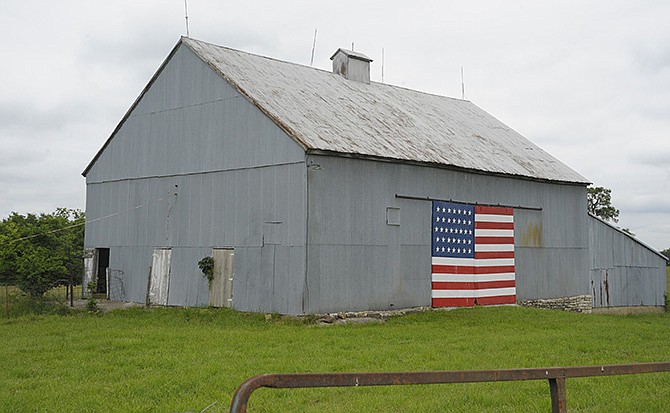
x=223 y=209
x=196 y=166
x=324 y=111
x=191 y=121
x=356 y=261
x=623 y=272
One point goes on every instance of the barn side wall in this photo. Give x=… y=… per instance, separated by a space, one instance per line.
x=623 y=271
x=196 y=166
x=357 y=261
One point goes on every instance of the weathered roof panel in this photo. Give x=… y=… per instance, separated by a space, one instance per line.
x=325 y=112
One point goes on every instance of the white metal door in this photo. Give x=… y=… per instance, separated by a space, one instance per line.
x=90 y=268
x=159 y=282
x=221 y=290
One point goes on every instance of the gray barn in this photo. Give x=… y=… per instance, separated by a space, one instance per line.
x=318 y=191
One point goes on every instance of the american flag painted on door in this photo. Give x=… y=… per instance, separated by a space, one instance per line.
x=473 y=255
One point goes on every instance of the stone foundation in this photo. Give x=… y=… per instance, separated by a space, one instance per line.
x=576 y=303
x=347 y=317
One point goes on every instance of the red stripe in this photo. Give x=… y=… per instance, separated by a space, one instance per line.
x=503 y=299
x=453 y=285
x=471 y=285
x=481 y=209
x=494 y=284
x=453 y=302
x=494 y=240
x=456 y=269
x=494 y=269
x=493 y=225
x=453 y=269
x=494 y=254
x=470 y=301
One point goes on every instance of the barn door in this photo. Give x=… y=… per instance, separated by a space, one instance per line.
x=90 y=268
x=221 y=290
x=159 y=279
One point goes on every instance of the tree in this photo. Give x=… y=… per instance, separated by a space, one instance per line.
x=666 y=252
x=37 y=250
x=599 y=203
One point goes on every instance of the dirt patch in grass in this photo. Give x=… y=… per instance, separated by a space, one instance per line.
x=106 y=305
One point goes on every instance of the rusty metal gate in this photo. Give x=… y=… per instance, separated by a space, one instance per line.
x=555 y=375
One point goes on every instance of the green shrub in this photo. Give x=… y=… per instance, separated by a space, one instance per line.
x=206 y=265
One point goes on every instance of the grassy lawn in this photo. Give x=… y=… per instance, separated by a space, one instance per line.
x=178 y=360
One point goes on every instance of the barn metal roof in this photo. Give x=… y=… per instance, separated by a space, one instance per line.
x=324 y=112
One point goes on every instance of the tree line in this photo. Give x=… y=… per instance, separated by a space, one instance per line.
x=38 y=250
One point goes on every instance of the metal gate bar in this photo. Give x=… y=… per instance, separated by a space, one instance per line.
x=555 y=375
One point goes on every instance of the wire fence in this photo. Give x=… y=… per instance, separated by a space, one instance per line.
x=14 y=302
x=116 y=280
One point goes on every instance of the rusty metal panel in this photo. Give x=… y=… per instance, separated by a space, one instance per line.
x=623 y=271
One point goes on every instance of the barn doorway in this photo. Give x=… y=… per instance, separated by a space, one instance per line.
x=221 y=288
x=159 y=277
x=101 y=274
x=96 y=265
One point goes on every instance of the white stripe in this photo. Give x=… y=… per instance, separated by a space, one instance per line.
x=453 y=294
x=471 y=262
x=496 y=292
x=489 y=292
x=503 y=276
x=494 y=262
x=464 y=262
x=494 y=247
x=494 y=218
x=494 y=232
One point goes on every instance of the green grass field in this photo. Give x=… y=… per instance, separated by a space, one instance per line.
x=179 y=360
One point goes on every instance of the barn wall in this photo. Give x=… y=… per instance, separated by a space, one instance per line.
x=196 y=166
x=624 y=272
x=356 y=261
x=259 y=212
x=192 y=121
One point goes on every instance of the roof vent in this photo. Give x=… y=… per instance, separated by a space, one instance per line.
x=351 y=65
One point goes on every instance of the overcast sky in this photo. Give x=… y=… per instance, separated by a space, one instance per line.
x=588 y=81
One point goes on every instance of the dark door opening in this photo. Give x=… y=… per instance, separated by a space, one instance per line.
x=103 y=264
